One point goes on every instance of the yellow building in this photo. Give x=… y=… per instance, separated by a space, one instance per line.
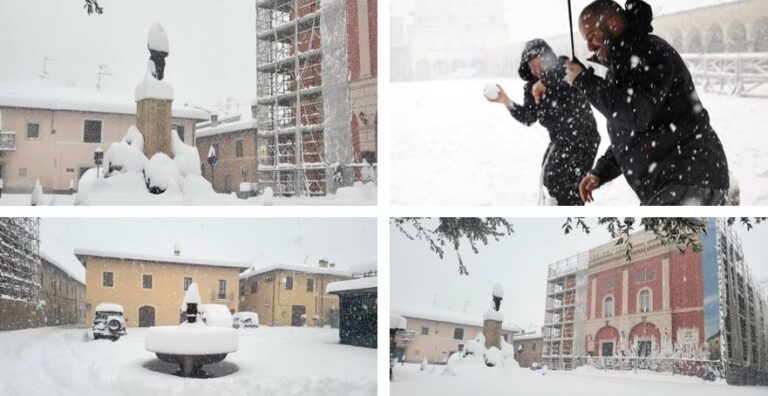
x=292 y=295
x=151 y=288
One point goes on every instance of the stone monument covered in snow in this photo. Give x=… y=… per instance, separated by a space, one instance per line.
x=492 y=319
x=154 y=97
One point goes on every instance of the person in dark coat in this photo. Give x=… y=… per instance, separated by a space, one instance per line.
x=564 y=112
x=661 y=137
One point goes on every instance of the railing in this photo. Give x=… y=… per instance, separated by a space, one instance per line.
x=738 y=74
x=708 y=369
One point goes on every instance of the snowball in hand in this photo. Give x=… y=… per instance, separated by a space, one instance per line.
x=491 y=91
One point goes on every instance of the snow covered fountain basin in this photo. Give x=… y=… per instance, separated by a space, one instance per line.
x=193 y=343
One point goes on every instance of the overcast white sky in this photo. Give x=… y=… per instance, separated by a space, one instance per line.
x=518 y=262
x=267 y=241
x=212 y=45
x=544 y=18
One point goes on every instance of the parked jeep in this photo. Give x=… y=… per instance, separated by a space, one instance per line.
x=109 y=322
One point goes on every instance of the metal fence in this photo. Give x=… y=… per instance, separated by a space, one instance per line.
x=738 y=74
x=707 y=369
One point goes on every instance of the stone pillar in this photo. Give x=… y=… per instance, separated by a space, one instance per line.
x=153 y=118
x=492 y=333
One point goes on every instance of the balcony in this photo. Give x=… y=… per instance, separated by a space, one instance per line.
x=7 y=141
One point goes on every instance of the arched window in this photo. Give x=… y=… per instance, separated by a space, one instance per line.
x=737 y=37
x=676 y=39
x=644 y=301
x=715 y=41
x=694 y=41
x=608 y=307
x=760 y=34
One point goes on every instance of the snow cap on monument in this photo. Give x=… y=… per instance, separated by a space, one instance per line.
x=191 y=297
x=157 y=39
x=498 y=291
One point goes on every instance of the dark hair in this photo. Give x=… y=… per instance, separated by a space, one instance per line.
x=607 y=7
x=637 y=13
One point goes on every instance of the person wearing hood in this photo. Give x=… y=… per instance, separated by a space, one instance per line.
x=661 y=137
x=566 y=115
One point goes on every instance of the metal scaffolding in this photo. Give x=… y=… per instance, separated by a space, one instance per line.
x=565 y=303
x=298 y=68
x=19 y=258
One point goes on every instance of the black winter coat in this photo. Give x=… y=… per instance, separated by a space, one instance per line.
x=659 y=130
x=567 y=116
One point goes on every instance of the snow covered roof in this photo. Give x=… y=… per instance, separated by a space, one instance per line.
x=525 y=337
x=81 y=253
x=397 y=322
x=235 y=126
x=42 y=95
x=367 y=266
x=76 y=275
x=352 y=284
x=446 y=316
x=292 y=267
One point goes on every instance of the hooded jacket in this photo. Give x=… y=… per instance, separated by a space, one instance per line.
x=660 y=132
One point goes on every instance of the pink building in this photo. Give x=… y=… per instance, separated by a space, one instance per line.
x=49 y=132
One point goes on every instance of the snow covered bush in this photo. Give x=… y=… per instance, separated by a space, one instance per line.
x=161 y=174
x=126 y=155
x=37 y=194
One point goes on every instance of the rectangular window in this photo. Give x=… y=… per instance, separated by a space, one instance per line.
x=425 y=330
x=187 y=282
x=609 y=284
x=458 y=333
x=310 y=285
x=238 y=148
x=108 y=279
x=222 y=289
x=179 y=131
x=288 y=283
x=645 y=275
x=147 y=281
x=22 y=172
x=92 y=131
x=33 y=131
x=254 y=287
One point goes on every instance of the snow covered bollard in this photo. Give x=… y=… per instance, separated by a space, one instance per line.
x=37 y=194
x=191 y=344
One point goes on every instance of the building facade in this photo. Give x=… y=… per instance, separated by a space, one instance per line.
x=363 y=42
x=50 y=133
x=438 y=334
x=660 y=305
x=62 y=294
x=234 y=143
x=358 y=306
x=292 y=295
x=151 y=288
x=528 y=348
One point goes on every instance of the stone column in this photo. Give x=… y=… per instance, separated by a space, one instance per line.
x=492 y=333
x=153 y=118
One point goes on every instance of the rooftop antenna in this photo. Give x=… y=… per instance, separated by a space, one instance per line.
x=45 y=76
x=103 y=71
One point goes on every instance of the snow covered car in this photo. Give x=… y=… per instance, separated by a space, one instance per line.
x=216 y=315
x=109 y=322
x=245 y=319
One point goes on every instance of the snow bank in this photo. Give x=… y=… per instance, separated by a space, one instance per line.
x=152 y=88
x=245 y=315
x=491 y=91
x=191 y=339
x=268 y=196
x=126 y=155
x=161 y=175
x=186 y=157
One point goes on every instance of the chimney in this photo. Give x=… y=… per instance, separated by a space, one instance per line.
x=177 y=249
x=214 y=119
x=323 y=263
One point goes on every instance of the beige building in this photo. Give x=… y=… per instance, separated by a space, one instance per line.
x=292 y=295
x=49 y=133
x=439 y=333
x=151 y=288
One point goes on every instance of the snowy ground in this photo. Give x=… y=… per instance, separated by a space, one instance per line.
x=410 y=381
x=451 y=147
x=352 y=196
x=270 y=361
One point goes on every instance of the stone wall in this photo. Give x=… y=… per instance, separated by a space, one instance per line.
x=153 y=118
x=19 y=315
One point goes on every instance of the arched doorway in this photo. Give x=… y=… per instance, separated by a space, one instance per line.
x=457 y=65
x=422 y=70
x=441 y=69
x=694 y=41
x=607 y=341
x=644 y=337
x=676 y=40
x=481 y=69
x=146 y=316
x=760 y=34
x=715 y=41
x=737 y=37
